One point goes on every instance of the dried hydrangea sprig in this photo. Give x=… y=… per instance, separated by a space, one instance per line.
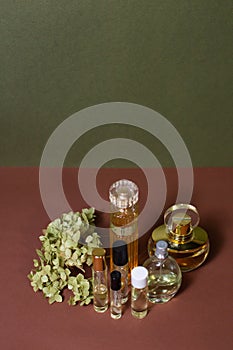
x=67 y=243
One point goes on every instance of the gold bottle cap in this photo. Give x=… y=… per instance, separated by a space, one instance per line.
x=180 y=220
x=181 y=224
x=98 y=255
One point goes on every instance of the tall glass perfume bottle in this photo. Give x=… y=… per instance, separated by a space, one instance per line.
x=123 y=196
x=187 y=242
x=139 y=303
x=99 y=277
x=120 y=263
x=115 y=295
x=164 y=275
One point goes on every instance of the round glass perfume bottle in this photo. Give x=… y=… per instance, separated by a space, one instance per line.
x=164 y=275
x=123 y=196
x=187 y=243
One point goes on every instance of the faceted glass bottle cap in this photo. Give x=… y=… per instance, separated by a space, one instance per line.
x=123 y=193
x=139 y=277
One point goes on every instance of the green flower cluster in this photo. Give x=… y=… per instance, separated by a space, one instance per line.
x=61 y=253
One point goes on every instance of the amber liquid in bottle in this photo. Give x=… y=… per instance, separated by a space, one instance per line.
x=123 y=196
x=192 y=254
x=124 y=226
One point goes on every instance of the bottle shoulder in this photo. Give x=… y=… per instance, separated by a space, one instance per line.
x=169 y=263
x=123 y=217
x=160 y=233
x=199 y=234
x=149 y=261
x=122 y=269
x=199 y=237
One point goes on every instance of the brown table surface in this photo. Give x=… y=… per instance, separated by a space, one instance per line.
x=198 y=317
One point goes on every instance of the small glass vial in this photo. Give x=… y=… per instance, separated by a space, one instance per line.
x=139 y=302
x=120 y=263
x=115 y=295
x=99 y=277
x=164 y=275
x=123 y=196
x=187 y=242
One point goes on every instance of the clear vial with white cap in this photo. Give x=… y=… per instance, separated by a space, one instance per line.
x=139 y=304
x=164 y=275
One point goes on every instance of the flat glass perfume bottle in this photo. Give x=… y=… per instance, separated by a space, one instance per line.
x=123 y=196
x=99 y=277
x=164 y=275
x=120 y=263
x=187 y=243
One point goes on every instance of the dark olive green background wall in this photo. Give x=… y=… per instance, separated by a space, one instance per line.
x=58 y=57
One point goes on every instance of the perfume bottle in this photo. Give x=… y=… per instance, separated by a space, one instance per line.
x=115 y=295
x=164 y=275
x=123 y=196
x=139 y=303
x=99 y=277
x=120 y=263
x=187 y=242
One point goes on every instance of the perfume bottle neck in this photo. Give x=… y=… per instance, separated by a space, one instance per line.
x=180 y=237
x=180 y=230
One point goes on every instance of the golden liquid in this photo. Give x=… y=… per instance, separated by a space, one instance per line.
x=190 y=260
x=189 y=255
x=100 y=298
x=162 y=287
x=124 y=227
x=139 y=302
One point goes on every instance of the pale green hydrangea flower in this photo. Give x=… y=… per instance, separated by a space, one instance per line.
x=61 y=253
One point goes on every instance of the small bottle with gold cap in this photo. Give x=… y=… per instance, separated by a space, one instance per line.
x=100 y=282
x=187 y=243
